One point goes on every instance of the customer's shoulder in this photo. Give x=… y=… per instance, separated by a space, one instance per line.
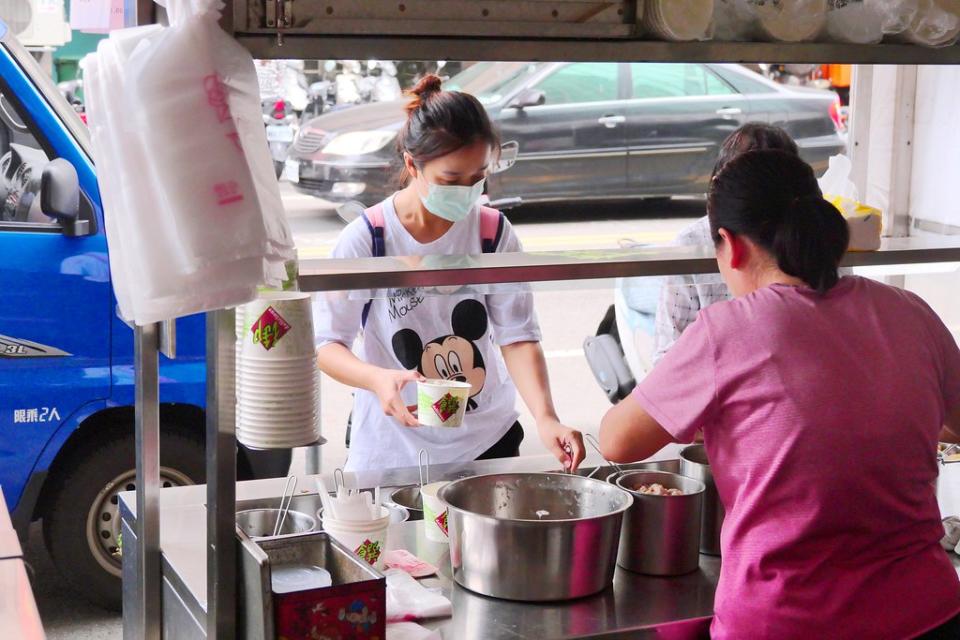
x=695 y=233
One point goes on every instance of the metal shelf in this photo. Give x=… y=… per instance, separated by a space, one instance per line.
x=318 y=45
x=381 y=273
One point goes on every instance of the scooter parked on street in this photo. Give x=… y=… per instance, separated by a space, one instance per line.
x=281 y=122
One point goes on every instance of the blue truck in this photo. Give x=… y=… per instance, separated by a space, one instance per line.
x=66 y=359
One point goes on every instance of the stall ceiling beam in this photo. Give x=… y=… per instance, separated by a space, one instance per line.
x=321 y=46
x=389 y=272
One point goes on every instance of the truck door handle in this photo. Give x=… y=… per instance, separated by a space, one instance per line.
x=729 y=111
x=611 y=122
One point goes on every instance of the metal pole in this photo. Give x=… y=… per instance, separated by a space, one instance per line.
x=147 y=418
x=221 y=475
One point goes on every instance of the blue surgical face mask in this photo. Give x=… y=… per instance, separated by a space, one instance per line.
x=452 y=202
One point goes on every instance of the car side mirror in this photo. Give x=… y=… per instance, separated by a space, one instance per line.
x=509 y=151
x=60 y=197
x=528 y=98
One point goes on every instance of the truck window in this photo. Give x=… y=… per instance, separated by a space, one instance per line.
x=22 y=159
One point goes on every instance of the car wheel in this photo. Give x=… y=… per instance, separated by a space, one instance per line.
x=82 y=524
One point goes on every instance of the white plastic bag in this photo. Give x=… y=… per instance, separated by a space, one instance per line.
x=409 y=600
x=171 y=252
x=935 y=24
x=182 y=111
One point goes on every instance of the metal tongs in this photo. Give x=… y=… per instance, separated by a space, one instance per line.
x=285 y=501
x=589 y=437
x=423 y=462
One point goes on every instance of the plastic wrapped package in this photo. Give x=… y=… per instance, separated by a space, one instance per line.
x=896 y=15
x=855 y=21
x=734 y=20
x=679 y=20
x=935 y=24
x=777 y=20
x=790 y=20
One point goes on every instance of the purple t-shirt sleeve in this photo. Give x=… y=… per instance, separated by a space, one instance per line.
x=680 y=392
x=950 y=354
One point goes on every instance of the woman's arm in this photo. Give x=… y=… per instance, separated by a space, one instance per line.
x=629 y=434
x=528 y=369
x=338 y=362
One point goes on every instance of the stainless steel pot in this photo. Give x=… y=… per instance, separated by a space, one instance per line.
x=694 y=464
x=661 y=534
x=259 y=523
x=534 y=536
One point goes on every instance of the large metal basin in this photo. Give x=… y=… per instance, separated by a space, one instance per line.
x=534 y=536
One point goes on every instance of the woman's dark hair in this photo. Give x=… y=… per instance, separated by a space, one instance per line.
x=440 y=122
x=772 y=197
x=754 y=136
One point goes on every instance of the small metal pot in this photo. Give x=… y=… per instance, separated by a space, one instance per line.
x=694 y=464
x=661 y=534
x=409 y=498
x=259 y=523
x=534 y=536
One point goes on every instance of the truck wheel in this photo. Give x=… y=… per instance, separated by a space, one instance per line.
x=82 y=524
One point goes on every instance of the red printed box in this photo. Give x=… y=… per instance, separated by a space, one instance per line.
x=353 y=606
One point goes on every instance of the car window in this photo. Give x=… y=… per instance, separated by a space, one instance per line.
x=674 y=80
x=491 y=81
x=581 y=82
x=22 y=160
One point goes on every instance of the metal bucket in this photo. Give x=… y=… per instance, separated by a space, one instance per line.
x=661 y=534
x=694 y=464
x=409 y=498
x=259 y=523
x=534 y=536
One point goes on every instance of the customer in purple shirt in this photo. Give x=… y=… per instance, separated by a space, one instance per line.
x=820 y=399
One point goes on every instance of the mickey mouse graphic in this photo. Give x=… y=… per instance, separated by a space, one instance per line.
x=450 y=357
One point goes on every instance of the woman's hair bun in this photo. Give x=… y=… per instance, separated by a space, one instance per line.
x=428 y=85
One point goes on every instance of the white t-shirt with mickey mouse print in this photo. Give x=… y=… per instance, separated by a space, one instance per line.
x=442 y=334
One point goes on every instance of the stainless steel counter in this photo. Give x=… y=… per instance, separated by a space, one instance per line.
x=636 y=606
x=19 y=617
x=634 y=602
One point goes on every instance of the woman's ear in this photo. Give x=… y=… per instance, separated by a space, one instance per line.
x=410 y=166
x=732 y=250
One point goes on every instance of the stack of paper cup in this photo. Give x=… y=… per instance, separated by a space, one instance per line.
x=678 y=20
x=277 y=377
x=367 y=538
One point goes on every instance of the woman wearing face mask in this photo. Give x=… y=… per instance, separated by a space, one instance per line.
x=820 y=399
x=490 y=340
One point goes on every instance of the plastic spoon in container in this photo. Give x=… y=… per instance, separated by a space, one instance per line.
x=290 y=484
x=589 y=437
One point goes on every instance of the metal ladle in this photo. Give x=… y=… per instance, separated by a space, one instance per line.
x=589 y=437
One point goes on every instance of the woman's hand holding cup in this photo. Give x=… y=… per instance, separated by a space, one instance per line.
x=387 y=386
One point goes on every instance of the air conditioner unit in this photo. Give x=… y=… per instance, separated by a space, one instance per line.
x=36 y=23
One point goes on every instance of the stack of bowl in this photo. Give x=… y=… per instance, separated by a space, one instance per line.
x=277 y=377
x=679 y=20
